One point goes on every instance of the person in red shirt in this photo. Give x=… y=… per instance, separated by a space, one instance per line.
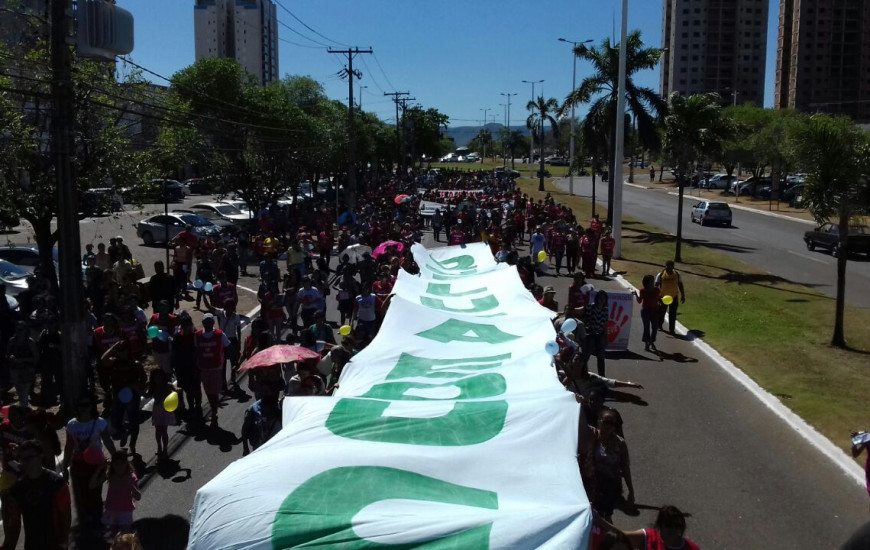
x=649 y=298
x=457 y=237
x=572 y=251
x=558 y=240
x=588 y=246
x=668 y=532
x=607 y=243
x=324 y=245
x=596 y=226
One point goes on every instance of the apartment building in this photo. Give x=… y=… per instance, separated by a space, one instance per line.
x=715 y=46
x=823 y=57
x=245 y=30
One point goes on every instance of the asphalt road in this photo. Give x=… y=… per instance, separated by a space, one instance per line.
x=697 y=439
x=769 y=243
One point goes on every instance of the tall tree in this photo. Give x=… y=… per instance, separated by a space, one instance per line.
x=602 y=89
x=694 y=130
x=835 y=154
x=541 y=112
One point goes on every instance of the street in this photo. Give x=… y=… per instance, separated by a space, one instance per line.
x=770 y=243
x=697 y=438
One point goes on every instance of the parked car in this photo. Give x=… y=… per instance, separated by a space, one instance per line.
x=228 y=229
x=153 y=191
x=556 y=161
x=164 y=227
x=241 y=205
x=223 y=210
x=14 y=277
x=500 y=170
x=100 y=200
x=794 y=191
x=25 y=256
x=473 y=157
x=718 y=181
x=712 y=212
x=827 y=236
x=200 y=186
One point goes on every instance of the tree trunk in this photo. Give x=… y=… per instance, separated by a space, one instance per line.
x=678 y=256
x=541 y=156
x=839 y=337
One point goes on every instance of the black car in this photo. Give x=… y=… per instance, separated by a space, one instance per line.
x=827 y=236
x=152 y=192
x=200 y=186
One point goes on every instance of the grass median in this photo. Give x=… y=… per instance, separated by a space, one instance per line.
x=777 y=331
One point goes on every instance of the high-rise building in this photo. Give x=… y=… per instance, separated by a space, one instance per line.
x=715 y=46
x=823 y=57
x=245 y=30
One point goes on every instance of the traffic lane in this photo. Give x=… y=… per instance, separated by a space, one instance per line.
x=772 y=244
x=702 y=442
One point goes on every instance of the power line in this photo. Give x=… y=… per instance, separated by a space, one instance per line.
x=297 y=44
x=382 y=71
x=371 y=74
x=291 y=29
x=293 y=15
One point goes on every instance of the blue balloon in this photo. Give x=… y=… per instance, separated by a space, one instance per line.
x=125 y=395
x=197 y=284
x=569 y=325
x=208 y=287
x=551 y=347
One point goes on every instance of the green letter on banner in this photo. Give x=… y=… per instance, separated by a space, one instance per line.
x=443 y=289
x=320 y=512
x=467 y=423
x=455 y=330
x=478 y=305
x=413 y=366
x=474 y=387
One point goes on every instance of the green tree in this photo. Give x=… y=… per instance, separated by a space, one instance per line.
x=541 y=112
x=695 y=129
x=424 y=131
x=482 y=142
x=835 y=154
x=602 y=90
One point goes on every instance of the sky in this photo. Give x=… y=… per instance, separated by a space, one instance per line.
x=457 y=57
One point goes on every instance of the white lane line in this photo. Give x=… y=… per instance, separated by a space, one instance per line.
x=795 y=422
x=246 y=289
x=807 y=257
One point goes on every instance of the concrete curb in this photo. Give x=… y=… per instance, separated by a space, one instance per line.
x=795 y=422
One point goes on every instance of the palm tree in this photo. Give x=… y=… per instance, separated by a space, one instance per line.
x=644 y=103
x=541 y=111
x=695 y=129
x=836 y=156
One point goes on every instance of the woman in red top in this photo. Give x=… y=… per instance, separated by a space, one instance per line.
x=649 y=299
x=666 y=535
x=588 y=246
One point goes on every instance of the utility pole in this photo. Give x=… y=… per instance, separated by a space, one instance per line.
x=573 y=130
x=508 y=95
x=359 y=103
x=351 y=137
x=404 y=101
x=396 y=96
x=73 y=334
x=484 y=129
x=531 y=131
x=504 y=142
x=616 y=177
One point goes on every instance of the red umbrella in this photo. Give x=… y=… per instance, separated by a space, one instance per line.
x=278 y=354
x=400 y=198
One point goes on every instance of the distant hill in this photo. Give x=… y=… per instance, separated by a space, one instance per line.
x=462 y=135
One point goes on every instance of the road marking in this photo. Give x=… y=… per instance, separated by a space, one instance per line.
x=247 y=289
x=806 y=257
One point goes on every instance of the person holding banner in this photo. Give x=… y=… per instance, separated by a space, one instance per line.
x=595 y=322
x=612 y=466
x=670 y=283
x=437 y=224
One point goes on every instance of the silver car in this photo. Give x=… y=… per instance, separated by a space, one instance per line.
x=164 y=227
x=712 y=212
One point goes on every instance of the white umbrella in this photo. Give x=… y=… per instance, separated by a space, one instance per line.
x=356 y=252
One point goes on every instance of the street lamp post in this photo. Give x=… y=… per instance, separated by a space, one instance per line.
x=361 y=88
x=531 y=132
x=573 y=89
x=616 y=222
x=485 y=110
x=508 y=95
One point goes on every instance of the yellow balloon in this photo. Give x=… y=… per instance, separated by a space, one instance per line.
x=667 y=300
x=344 y=330
x=171 y=402
x=542 y=257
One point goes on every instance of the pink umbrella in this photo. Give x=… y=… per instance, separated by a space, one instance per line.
x=278 y=354
x=382 y=248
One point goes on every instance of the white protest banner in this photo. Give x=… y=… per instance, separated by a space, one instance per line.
x=428 y=208
x=450 y=430
x=621 y=305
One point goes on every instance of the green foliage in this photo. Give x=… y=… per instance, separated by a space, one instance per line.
x=423 y=131
x=695 y=130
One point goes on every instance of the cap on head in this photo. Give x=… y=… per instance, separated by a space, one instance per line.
x=549 y=290
x=208 y=317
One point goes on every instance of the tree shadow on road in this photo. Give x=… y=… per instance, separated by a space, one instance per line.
x=645 y=236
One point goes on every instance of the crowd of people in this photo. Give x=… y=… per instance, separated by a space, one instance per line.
x=308 y=259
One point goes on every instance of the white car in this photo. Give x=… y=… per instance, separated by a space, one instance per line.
x=222 y=210
x=712 y=212
x=719 y=181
